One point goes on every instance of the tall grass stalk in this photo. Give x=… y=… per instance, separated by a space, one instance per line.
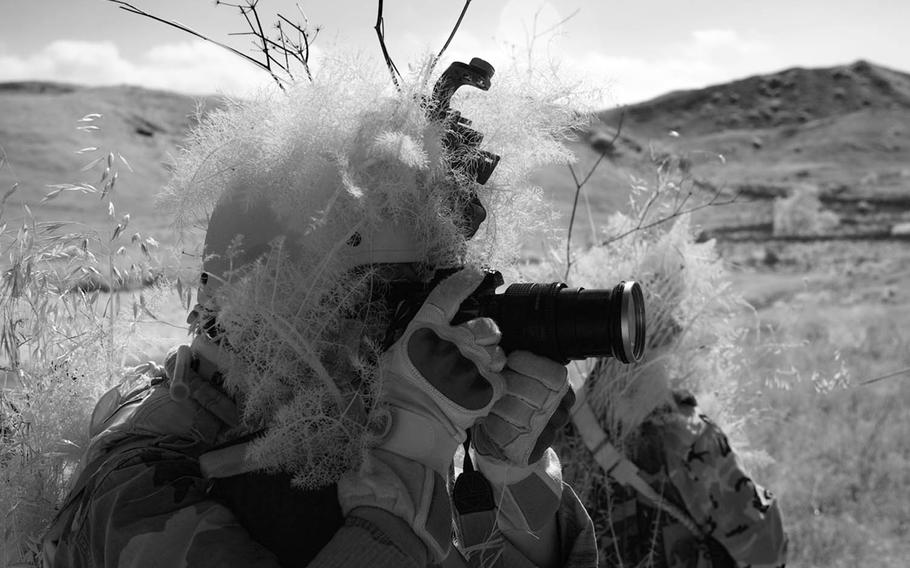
x=63 y=342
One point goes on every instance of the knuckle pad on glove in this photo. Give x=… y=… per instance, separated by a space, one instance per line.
x=485 y=357
x=458 y=335
x=500 y=432
x=532 y=392
x=515 y=411
x=484 y=330
x=544 y=370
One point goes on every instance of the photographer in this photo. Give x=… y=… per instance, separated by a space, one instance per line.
x=306 y=423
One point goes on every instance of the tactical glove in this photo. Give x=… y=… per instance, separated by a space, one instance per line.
x=438 y=380
x=511 y=443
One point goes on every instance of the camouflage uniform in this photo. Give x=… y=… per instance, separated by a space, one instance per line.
x=687 y=459
x=142 y=500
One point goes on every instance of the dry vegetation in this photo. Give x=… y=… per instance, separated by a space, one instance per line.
x=830 y=308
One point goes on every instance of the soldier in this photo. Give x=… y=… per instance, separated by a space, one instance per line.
x=663 y=485
x=307 y=423
x=688 y=503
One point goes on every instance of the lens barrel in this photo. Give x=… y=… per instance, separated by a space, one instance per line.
x=569 y=323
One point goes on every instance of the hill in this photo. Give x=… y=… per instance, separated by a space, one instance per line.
x=841 y=299
x=41 y=139
x=834 y=125
x=843 y=132
x=791 y=97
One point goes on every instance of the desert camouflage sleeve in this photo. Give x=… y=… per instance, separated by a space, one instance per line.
x=151 y=509
x=576 y=532
x=720 y=495
x=141 y=499
x=484 y=545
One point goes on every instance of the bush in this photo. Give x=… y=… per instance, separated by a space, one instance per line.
x=801 y=213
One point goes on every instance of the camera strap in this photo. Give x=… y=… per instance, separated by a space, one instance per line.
x=472 y=492
x=619 y=468
x=475 y=509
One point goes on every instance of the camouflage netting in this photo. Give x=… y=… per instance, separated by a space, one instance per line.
x=691 y=339
x=345 y=155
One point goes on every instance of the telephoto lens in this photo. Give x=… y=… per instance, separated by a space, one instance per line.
x=565 y=323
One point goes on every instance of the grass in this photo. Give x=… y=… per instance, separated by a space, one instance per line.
x=64 y=342
x=840 y=451
x=40 y=145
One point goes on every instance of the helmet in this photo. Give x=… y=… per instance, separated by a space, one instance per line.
x=241 y=231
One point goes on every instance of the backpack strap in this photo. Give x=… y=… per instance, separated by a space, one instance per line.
x=227 y=461
x=617 y=466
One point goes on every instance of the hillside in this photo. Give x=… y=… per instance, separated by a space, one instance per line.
x=842 y=131
x=40 y=141
x=830 y=310
x=837 y=126
x=791 y=97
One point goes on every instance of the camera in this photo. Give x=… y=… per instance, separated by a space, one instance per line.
x=549 y=319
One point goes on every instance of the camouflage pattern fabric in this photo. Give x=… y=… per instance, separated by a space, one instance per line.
x=687 y=459
x=576 y=536
x=140 y=499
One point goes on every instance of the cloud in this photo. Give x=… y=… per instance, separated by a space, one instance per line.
x=707 y=57
x=714 y=38
x=193 y=67
x=525 y=22
x=723 y=42
x=601 y=79
x=704 y=57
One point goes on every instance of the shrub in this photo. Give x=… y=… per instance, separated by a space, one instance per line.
x=801 y=213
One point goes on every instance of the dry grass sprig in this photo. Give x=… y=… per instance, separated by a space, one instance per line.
x=63 y=339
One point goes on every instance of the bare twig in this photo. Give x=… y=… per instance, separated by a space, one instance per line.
x=300 y=49
x=276 y=53
x=445 y=46
x=284 y=46
x=380 y=33
x=134 y=10
x=678 y=211
x=580 y=184
x=663 y=183
x=557 y=24
x=532 y=37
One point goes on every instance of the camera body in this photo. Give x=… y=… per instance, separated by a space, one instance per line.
x=548 y=319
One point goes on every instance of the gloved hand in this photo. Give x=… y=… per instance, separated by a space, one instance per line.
x=438 y=380
x=511 y=444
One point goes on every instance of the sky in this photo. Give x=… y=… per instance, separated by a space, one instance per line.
x=625 y=52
